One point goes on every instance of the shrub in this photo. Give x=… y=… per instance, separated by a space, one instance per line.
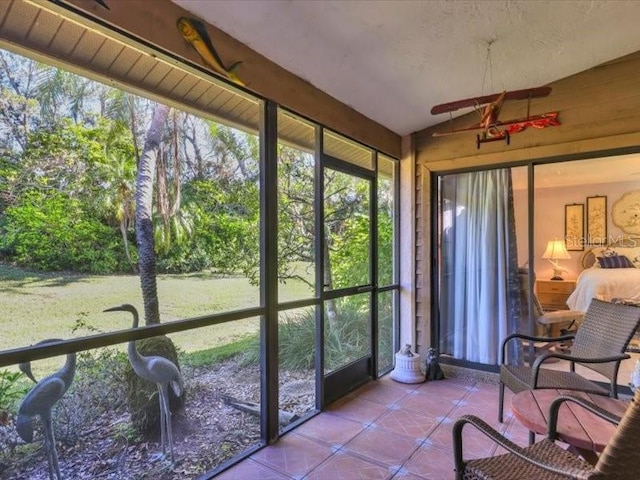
x=185 y=258
x=211 y=356
x=226 y=224
x=297 y=335
x=12 y=389
x=51 y=231
x=97 y=389
x=343 y=339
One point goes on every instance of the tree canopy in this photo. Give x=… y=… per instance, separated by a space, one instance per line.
x=70 y=155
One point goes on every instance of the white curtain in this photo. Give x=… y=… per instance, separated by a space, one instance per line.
x=479 y=301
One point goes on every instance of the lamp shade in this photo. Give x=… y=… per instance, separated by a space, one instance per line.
x=556 y=250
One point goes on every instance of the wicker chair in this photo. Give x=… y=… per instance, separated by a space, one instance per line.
x=567 y=320
x=547 y=461
x=599 y=344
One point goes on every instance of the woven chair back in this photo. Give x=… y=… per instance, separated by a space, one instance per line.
x=606 y=330
x=621 y=458
x=523 y=279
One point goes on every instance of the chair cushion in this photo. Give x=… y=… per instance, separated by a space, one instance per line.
x=518 y=379
x=561 y=316
x=509 y=466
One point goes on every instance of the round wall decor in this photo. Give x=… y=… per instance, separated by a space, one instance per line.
x=625 y=213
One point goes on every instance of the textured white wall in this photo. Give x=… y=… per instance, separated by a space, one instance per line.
x=392 y=61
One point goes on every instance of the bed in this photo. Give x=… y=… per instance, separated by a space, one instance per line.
x=613 y=273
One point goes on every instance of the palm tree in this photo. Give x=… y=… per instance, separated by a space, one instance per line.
x=142 y=401
x=144 y=214
x=64 y=94
x=175 y=222
x=120 y=172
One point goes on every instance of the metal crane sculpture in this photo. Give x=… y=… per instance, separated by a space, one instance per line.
x=40 y=401
x=160 y=371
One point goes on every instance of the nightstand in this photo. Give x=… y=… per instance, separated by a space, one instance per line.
x=553 y=294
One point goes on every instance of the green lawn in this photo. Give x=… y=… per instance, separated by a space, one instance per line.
x=35 y=306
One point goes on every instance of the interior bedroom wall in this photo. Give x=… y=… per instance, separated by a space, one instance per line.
x=599 y=110
x=549 y=221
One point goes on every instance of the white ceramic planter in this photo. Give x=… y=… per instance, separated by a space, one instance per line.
x=408 y=369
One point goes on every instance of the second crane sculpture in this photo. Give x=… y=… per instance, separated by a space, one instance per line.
x=40 y=402
x=160 y=371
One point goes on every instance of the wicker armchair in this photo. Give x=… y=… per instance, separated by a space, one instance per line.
x=547 y=461
x=599 y=344
x=567 y=320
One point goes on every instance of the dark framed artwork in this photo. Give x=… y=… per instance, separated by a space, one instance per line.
x=574 y=226
x=597 y=220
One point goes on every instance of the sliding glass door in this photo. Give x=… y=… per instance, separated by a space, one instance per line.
x=478 y=279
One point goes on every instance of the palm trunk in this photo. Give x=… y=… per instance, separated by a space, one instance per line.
x=143 y=404
x=125 y=241
x=144 y=219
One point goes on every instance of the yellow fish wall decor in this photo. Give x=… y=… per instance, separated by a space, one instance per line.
x=196 y=34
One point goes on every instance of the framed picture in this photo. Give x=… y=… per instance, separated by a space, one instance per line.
x=597 y=220
x=574 y=226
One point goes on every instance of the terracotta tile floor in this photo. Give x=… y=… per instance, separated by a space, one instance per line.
x=384 y=430
x=390 y=430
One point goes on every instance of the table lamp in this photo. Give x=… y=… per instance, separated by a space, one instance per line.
x=556 y=251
